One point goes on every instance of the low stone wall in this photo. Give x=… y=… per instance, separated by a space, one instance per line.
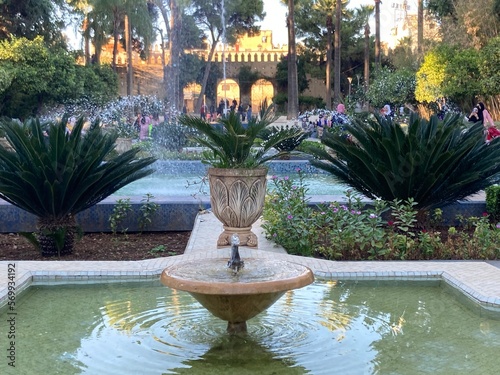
x=175 y=214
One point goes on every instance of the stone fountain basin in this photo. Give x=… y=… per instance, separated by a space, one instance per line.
x=236 y=297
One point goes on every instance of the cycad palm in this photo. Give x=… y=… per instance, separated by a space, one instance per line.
x=434 y=162
x=55 y=175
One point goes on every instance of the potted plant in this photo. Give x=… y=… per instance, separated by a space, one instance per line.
x=125 y=132
x=54 y=175
x=237 y=176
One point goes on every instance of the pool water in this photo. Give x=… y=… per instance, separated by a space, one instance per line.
x=191 y=184
x=326 y=328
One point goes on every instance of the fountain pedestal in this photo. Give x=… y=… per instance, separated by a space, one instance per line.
x=236 y=296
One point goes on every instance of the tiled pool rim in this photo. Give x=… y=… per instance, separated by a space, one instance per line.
x=477 y=280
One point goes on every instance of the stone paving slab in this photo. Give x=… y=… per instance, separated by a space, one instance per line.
x=480 y=281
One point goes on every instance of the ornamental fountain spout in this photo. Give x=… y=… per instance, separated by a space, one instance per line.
x=235 y=263
x=240 y=290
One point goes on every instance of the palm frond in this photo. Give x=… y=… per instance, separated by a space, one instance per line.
x=53 y=174
x=435 y=162
x=231 y=143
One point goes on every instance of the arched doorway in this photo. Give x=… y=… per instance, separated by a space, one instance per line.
x=261 y=90
x=228 y=91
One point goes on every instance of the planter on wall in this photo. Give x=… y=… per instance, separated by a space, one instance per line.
x=237 y=198
x=123 y=144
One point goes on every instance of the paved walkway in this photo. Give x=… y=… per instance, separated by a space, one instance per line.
x=478 y=280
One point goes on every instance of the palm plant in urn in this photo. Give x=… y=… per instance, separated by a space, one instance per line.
x=237 y=176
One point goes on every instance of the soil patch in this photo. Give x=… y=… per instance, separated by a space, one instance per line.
x=102 y=246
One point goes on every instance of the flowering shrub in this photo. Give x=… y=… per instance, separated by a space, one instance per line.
x=287 y=216
x=379 y=231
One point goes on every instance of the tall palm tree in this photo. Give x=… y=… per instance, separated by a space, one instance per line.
x=365 y=12
x=420 y=26
x=293 y=85
x=329 y=32
x=336 y=56
x=377 y=33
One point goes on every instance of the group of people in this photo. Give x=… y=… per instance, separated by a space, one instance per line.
x=480 y=114
x=244 y=113
x=325 y=120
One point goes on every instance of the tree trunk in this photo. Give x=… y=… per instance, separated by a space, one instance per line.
x=86 y=37
x=328 y=80
x=116 y=36
x=377 y=33
x=293 y=85
x=130 y=73
x=420 y=26
x=336 y=56
x=166 y=65
x=367 y=58
x=172 y=81
x=206 y=74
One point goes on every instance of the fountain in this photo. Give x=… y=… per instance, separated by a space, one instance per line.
x=239 y=291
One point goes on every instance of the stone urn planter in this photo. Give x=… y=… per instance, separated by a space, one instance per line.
x=237 y=176
x=237 y=198
x=123 y=145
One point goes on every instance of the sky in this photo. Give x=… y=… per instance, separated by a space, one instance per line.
x=276 y=16
x=275 y=19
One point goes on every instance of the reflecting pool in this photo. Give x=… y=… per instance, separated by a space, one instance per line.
x=189 y=184
x=325 y=328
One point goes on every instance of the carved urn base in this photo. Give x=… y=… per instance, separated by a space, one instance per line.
x=237 y=199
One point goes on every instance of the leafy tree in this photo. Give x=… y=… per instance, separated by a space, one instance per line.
x=182 y=33
x=107 y=18
x=462 y=77
x=282 y=75
x=434 y=162
x=36 y=75
x=100 y=83
x=465 y=23
x=441 y=8
x=239 y=18
x=431 y=76
x=489 y=60
x=311 y=22
x=393 y=87
x=29 y=62
x=29 y=19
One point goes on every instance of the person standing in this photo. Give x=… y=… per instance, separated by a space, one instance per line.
x=249 y=113
x=220 y=108
x=484 y=115
x=486 y=119
x=386 y=111
x=144 y=132
x=203 y=112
